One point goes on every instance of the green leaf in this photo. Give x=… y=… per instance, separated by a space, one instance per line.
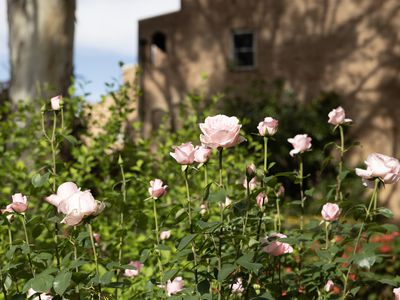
x=207 y=192
x=225 y=271
x=386 y=212
x=42 y=283
x=107 y=277
x=38 y=180
x=71 y=139
x=207 y=225
x=169 y=274
x=217 y=197
x=144 y=255
x=185 y=241
x=310 y=192
x=203 y=287
x=62 y=282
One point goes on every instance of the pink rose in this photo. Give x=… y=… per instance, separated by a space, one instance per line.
x=330 y=212
x=337 y=116
x=300 y=143
x=281 y=191
x=174 y=286
x=184 y=154
x=329 y=286
x=378 y=165
x=252 y=183
x=74 y=203
x=237 y=287
x=133 y=273
x=261 y=199
x=202 y=154
x=42 y=296
x=251 y=170
x=220 y=131
x=268 y=127
x=19 y=204
x=275 y=247
x=56 y=102
x=157 y=189
x=396 y=293
x=165 y=235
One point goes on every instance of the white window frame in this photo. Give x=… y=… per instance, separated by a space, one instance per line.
x=232 y=49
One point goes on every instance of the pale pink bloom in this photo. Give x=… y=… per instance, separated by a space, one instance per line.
x=396 y=293
x=157 y=189
x=56 y=102
x=132 y=273
x=300 y=143
x=378 y=165
x=330 y=212
x=203 y=209
x=252 y=183
x=97 y=238
x=202 y=154
x=220 y=131
x=275 y=247
x=268 y=127
x=19 y=204
x=237 y=287
x=251 y=170
x=281 y=191
x=175 y=286
x=261 y=200
x=165 y=235
x=75 y=204
x=184 y=154
x=338 y=116
x=42 y=296
x=329 y=286
x=226 y=203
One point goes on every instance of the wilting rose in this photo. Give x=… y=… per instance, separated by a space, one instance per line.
x=97 y=238
x=268 y=127
x=157 y=189
x=329 y=286
x=330 y=212
x=184 y=154
x=19 y=204
x=165 y=235
x=281 y=191
x=56 y=102
x=202 y=154
x=396 y=293
x=251 y=170
x=237 y=287
x=275 y=247
x=252 y=183
x=261 y=200
x=378 y=165
x=74 y=203
x=337 y=116
x=175 y=286
x=42 y=296
x=133 y=273
x=220 y=131
x=300 y=143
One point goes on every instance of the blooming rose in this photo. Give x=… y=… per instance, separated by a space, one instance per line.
x=220 y=131
x=237 y=287
x=275 y=247
x=132 y=273
x=165 y=235
x=251 y=170
x=337 y=116
x=378 y=165
x=252 y=183
x=268 y=127
x=56 y=102
x=156 y=189
x=329 y=286
x=202 y=154
x=19 y=204
x=184 y=154
x=300 y=143
x=330 y=212
x=396 y=293
x=175 y=286
x=42 y=296
x=261 y=199
x=74 y=203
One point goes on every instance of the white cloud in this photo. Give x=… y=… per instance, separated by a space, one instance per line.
x=111 y=26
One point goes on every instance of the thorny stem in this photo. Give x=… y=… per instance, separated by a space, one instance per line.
x=301 y=193
x=29 y=247
x=10 y=240
x=157 y=237
x=338 y=194
x=265 y=156
x=367 y=215
x=327 y=226
x=90 y=231
x=221 y=210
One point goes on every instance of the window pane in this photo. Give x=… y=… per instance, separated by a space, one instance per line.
x=244 y=58
x=243 y=40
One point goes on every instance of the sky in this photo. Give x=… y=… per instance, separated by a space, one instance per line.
x=105 y=33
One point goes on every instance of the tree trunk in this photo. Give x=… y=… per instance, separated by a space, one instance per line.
x=41 y=36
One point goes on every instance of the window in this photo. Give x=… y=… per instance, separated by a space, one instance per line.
x=243 y=49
